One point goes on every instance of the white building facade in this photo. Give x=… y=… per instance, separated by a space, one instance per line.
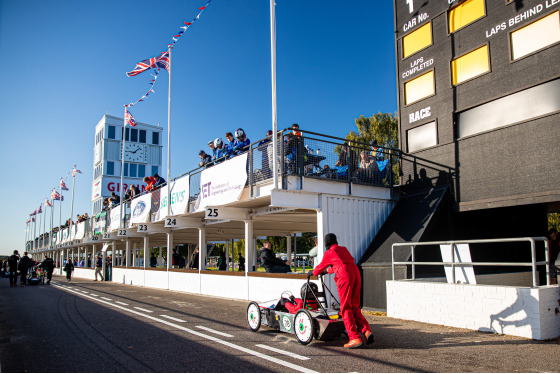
x=142 y=157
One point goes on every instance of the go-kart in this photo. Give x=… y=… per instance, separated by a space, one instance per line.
x=35 y=276
x=324 y=323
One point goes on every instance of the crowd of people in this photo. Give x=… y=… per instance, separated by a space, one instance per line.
x=221 y=151
x=17 y=266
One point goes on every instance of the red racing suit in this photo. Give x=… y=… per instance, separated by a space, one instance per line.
x=348 y=283
x=293 y=308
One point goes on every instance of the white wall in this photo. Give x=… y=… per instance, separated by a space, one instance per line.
x=520 y=311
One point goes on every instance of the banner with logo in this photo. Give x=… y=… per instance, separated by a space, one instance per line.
x=80 y=230
x=140 y=209
x=99 y=223
x=223 y=183
x=115 y=219
x=65 y=235
x=179 y=198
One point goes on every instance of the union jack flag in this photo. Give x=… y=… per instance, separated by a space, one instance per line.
x=63 y=185
x=40 y=210
x=129 y=119
x=32 y=214
x=75 y=171
x=55 y=195
x=161 y=61
x=48 y=203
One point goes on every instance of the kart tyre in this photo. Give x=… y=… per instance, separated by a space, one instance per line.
x=304 y=326
x=254 y=316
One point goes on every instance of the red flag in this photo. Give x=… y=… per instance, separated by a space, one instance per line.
x=202 y=8
x=128 y=118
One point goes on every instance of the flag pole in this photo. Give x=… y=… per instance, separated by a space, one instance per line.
x=274 y=108
x=34 y=228
x=45 y=224
x=52 y=215
x=169 y=138
x=60 y=211
x=40 y=221
x=72 y=205
x=122 y=168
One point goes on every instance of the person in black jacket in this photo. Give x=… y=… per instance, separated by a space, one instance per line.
x=270 y=262
x=48 y=266
x=23 y=266
x=13 y=265
x=194 y=259
x=69 y=268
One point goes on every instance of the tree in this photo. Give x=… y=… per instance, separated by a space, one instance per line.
x=554 y=221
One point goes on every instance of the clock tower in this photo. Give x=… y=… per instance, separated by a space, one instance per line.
x=142 y=157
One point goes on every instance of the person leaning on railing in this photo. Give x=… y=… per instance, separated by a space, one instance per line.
x=150 y=181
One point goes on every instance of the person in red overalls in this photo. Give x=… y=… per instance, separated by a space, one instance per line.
x=348 y=283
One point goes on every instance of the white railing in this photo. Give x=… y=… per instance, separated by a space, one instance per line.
x=453 y=263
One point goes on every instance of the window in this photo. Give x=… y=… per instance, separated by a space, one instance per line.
x=422 y=137
x=133 y=135
x=535 y=36
x=141 y=171
x=521 y=106
x=111 y=132
x=419 y=88
x=417 y=40
x=132 y=169
x=127 y=138
x=155 y=138
x=110 y=168
x=97 y=172
x=142 y=136
x=125 y=172
x=465 y=13
x=470 y=65
x=155 y=170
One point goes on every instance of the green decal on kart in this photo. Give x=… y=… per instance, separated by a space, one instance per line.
x=286 y=322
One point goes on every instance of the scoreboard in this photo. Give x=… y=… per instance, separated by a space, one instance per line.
x=479 y=91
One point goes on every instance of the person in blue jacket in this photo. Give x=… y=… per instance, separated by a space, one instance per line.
x=220 y=150
x=241 y=143
x=229 y=146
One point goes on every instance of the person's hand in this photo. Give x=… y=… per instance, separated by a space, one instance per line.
x=287 y=262
x=310 y=273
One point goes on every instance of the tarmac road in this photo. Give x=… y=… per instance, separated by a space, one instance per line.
x=88 y=326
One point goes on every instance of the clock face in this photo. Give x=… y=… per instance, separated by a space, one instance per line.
x=135 y=152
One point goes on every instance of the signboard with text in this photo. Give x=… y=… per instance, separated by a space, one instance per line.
x=179 y=198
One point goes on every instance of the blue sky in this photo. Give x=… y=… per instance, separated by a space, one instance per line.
x=64 y=65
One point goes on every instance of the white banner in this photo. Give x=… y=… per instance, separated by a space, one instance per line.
x=140 y=209
x=80 y=230
x=222 y=184
x=65 y=235
x=115 y=221
x=179 y=198
x=59 y=237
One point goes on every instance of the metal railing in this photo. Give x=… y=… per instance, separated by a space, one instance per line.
x=453 y=263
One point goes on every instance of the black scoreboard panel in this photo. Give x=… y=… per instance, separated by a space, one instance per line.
x=479 y=91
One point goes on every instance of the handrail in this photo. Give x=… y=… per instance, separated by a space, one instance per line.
x=453 y=263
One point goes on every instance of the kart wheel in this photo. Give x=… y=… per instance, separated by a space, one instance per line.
x=254 y=316
x=304 y=326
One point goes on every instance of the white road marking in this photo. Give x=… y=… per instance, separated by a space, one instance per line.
x=119 y=302
x=106 y=298
x=283 y=352
x=201 y=335
x=142 y=309
x=85 y=292
x=94 y=295
x=172 y=318
x=215 y=332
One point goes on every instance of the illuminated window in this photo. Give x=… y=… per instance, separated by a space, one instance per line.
x=465 y=13
x=470 y=65
x=419 y=88
x=417 y=40
x=535 y=36
x=422 y=137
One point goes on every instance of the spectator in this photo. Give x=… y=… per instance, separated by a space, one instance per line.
x=69 y=268
x=153 y=261
x=48 y=266
x=109 y=267
x=13 y=265
x=291 y=152
x=23 y=266
x=270 y=262
x=222 y=265
x=229 y=147
x=213 y=148
x=205 y=160
x=99 y=267
x=115 y=199
x=376 y=152
x=295 y=130
x=265 y=146
x=128 y=194
x=134 y=191
x=241 y=266
x=194 y=259
x=219 y=151
x=368 y=168
x=313 y=252
x=160 y=182
x=150 y=181
x=241 y=143
x=175 y=259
